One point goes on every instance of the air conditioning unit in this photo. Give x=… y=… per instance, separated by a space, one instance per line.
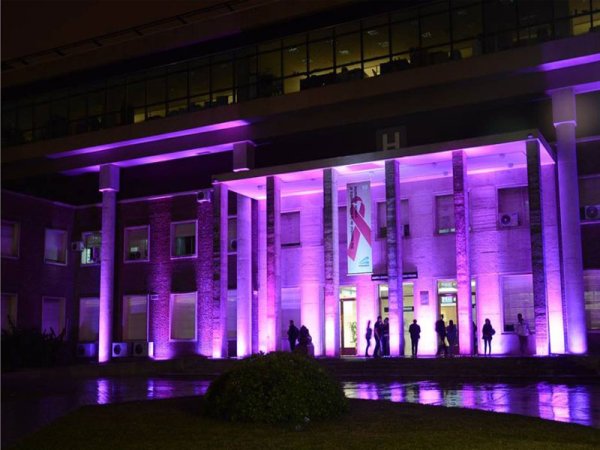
x=77 y=246
x=591 y=212
x=143 y=348
x=120 y=349
x=86 y=350
x=508 y=220
x=204 y=196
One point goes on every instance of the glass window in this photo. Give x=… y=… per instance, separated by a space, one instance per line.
x=155 y=90
x=183 y=239
x=435 y=30
x=294 y=60
x=513 y=207
x=348 y=49
x=183 y=316
x=53 y=315
x=77 y=107
x=290 y=310
x=270 y=64
x=591 y=288
x=177 y=83
x=222 y=73
x=9 y=310
x=96 y=103
x=290 y=228
x=92 y=244
x=444 y=206
x=321 y=55
x=232 y=235
x=405 y=36
x=466 y=22
x=55 y=247
x=10 y=239
x=517 y=297
x=382 y=219
x=200 y=79
x=136 y=95
x=89 y=314
x=375 y=42
x=135 y=318
x=136 y=244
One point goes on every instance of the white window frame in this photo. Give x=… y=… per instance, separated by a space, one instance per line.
x=15 y=298
x=66 y=253
x=172 y=235
x=79 y=322
x=64 y=313
x=125 y=297
x=83 y=239
x=171 y=297
x=16 y=237
x=126 y=242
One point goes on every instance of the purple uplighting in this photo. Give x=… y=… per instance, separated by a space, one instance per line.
x=153 y=138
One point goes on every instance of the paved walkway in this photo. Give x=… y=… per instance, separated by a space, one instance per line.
x=28 y=406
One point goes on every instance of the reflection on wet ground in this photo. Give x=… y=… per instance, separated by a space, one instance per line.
x=26 y=409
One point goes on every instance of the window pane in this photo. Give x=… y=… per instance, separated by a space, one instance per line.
x=183 y=239
x=445 y=214
x=183 y=316
x=53 y=315
x=177 y=85
x=435 y=30
x=136 y=95
x=222 y=74
x=321 y=55
x=375 y=42
x=135 y=318
x=155 y=90
x=92 y=243
x=136 y=244
x=294 y=60
x=591 y=287
x=10 y=239
x=55 y=249
x=270 y=63
x=405 y=35
x=199 y=80
x=89 y=310
x=290 y=228
x=9 y=310
x=348 y=49
x=466 y=23
x=517 y=298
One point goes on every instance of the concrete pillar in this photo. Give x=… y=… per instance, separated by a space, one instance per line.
x=394 y=257
x=463 y=269
x=109 y=186
x=331 y=266
x=367 y=308
x=565 y=121
x=536 y=230
x=255 y=275
x=244 y=276
x=219 y=295
x=274 y=264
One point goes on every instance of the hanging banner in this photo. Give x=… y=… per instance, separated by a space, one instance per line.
x=358 y=220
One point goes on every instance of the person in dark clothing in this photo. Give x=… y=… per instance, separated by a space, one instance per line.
x=440 y=329
x=385 y=337
x=378 y=333
x=415 y=335
x=304 y=342
x=487 y=333
x=451 y=334
x=292 y=335
x=368 y=335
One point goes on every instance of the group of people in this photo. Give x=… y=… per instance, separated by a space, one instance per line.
x=301 y=341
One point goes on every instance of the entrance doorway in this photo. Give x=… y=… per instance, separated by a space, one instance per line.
x=348 y=326
x=408 y=309
x=447 y=301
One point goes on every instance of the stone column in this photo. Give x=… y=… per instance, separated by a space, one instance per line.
x=204 y=277
x=463 y=269
x=274 y=264
x=565 y=121
x=109 y=186
x=244 y=276
x=255 y=275
x=219 y=295
x=331 y=263
x=394 y=257
x=536 y=231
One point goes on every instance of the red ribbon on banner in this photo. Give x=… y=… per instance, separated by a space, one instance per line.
x=361 y=227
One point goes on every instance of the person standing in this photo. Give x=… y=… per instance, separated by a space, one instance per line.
x=440 y=329
x=415 y=334
x=523 y=331
x=368 y=335
x=451 y=334
x=378 y=333
x=385 y=337
x=292 y=335
x=487 y=332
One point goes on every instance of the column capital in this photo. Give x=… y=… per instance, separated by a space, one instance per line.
x=563 y=107
x=109 y=178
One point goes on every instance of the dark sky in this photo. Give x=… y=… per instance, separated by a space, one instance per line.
x=30 y=26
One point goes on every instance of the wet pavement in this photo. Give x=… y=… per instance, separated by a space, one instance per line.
x=26 y=408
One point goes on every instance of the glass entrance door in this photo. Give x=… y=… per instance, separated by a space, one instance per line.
x=348 y=326
x=447 y=300
x=408 y=309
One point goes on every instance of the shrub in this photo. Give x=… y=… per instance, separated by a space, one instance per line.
x=275 y=388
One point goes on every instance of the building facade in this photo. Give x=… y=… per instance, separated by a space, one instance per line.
x=325 y=164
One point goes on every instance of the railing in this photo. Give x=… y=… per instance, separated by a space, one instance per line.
x=432 y=33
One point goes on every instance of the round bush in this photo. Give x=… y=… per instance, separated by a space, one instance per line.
x=275 y=388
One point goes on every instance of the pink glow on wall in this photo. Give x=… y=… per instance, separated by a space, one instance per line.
x=154 y=138
x=330 y=349
x=566 y=63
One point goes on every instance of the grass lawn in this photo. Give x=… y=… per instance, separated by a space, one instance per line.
x=181 y=424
